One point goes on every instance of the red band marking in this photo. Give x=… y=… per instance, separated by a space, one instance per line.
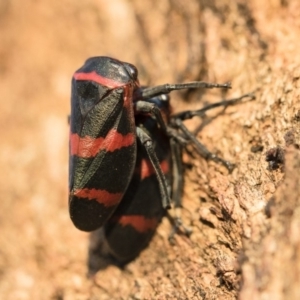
x=89 y=147
x=93 y=76
x=139 y=223
x=128 y=104
x=102 y=196
x=146 y=169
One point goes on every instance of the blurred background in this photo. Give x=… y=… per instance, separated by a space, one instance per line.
x=42 y=255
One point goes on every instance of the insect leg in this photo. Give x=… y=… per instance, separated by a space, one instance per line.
x=176 y=121
x=167 y=88
x=177 y=190
x=177 y=172
x=202 y=150
x=188 y=114
x=148 y=145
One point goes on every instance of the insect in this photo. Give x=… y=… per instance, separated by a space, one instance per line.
x=124 y=148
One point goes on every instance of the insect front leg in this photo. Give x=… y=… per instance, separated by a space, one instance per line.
x=167 y=88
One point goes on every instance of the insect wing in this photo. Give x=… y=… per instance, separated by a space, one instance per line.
x=102 y=147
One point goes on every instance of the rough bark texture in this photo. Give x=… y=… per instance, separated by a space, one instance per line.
x=246 y=225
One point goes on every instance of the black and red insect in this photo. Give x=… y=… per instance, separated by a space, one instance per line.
x=125 y=147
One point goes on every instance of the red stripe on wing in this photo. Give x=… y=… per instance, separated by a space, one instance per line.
x=102 y=196
x=89 y=147
x=93 y=76
x=139 y=223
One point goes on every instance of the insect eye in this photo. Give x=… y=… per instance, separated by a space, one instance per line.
x=164 y=97
x=89 y=94
x=132 y=70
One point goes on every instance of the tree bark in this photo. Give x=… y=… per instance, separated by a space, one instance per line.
x=246 y=229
